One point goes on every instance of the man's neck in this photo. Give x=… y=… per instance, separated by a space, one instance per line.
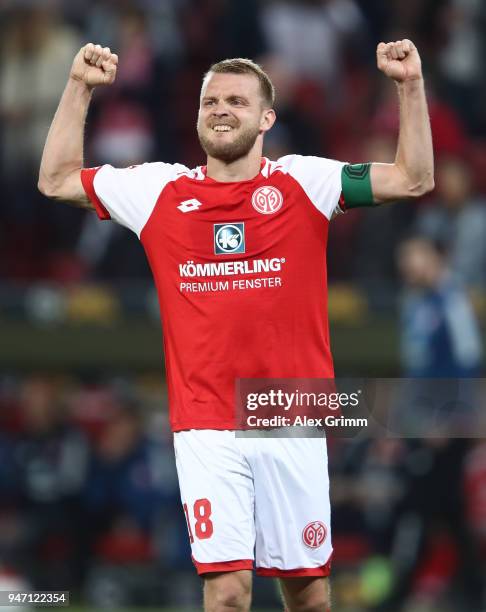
x=242 y=169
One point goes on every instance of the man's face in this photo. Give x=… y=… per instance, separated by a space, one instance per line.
x=231 y=115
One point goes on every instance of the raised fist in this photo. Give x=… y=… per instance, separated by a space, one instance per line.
x=399 y=60
x=94 y=65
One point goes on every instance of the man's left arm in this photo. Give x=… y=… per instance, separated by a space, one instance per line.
x=412 y=173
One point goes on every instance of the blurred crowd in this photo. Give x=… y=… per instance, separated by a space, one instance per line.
x=89 y=502
x=332 y=101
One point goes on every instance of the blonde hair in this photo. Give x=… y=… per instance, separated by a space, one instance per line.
x=240 y=65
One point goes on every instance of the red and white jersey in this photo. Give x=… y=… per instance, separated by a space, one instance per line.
x=240 y=270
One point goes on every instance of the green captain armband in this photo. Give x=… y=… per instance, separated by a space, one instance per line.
x=356 y=185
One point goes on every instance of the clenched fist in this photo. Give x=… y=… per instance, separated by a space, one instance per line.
x=94 y=65
x=399 y=60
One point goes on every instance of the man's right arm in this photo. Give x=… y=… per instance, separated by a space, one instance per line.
x=62 y=159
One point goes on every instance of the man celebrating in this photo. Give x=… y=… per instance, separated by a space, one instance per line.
x=237 y=250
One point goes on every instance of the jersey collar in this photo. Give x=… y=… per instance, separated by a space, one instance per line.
x=201 y=172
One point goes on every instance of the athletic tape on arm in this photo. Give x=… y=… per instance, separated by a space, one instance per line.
x=356 y=185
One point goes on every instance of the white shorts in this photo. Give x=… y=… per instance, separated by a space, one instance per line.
x=255 y=499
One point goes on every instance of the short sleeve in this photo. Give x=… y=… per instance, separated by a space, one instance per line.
x=319 y=177
x=128 y=195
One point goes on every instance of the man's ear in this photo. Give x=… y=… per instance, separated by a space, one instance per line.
x=268 y=119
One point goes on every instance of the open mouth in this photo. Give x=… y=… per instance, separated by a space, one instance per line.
x=222 y=128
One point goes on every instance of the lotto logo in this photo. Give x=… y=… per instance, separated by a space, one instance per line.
x=229 y=238
x=189 y=205
x=314 y=534
x=267 y=200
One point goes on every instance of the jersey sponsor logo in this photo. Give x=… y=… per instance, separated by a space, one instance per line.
x=190 y=269
x=314 y=534
x=229 y=238
x=267 y=200
x=189 y=205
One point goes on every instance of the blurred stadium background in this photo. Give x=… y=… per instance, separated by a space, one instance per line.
x=88 y=492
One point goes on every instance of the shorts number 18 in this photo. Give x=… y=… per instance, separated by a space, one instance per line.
x=203 y=526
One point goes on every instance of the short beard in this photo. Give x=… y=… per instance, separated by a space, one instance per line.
x=231 y=151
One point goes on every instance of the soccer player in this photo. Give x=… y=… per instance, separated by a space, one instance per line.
x=237 y=250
